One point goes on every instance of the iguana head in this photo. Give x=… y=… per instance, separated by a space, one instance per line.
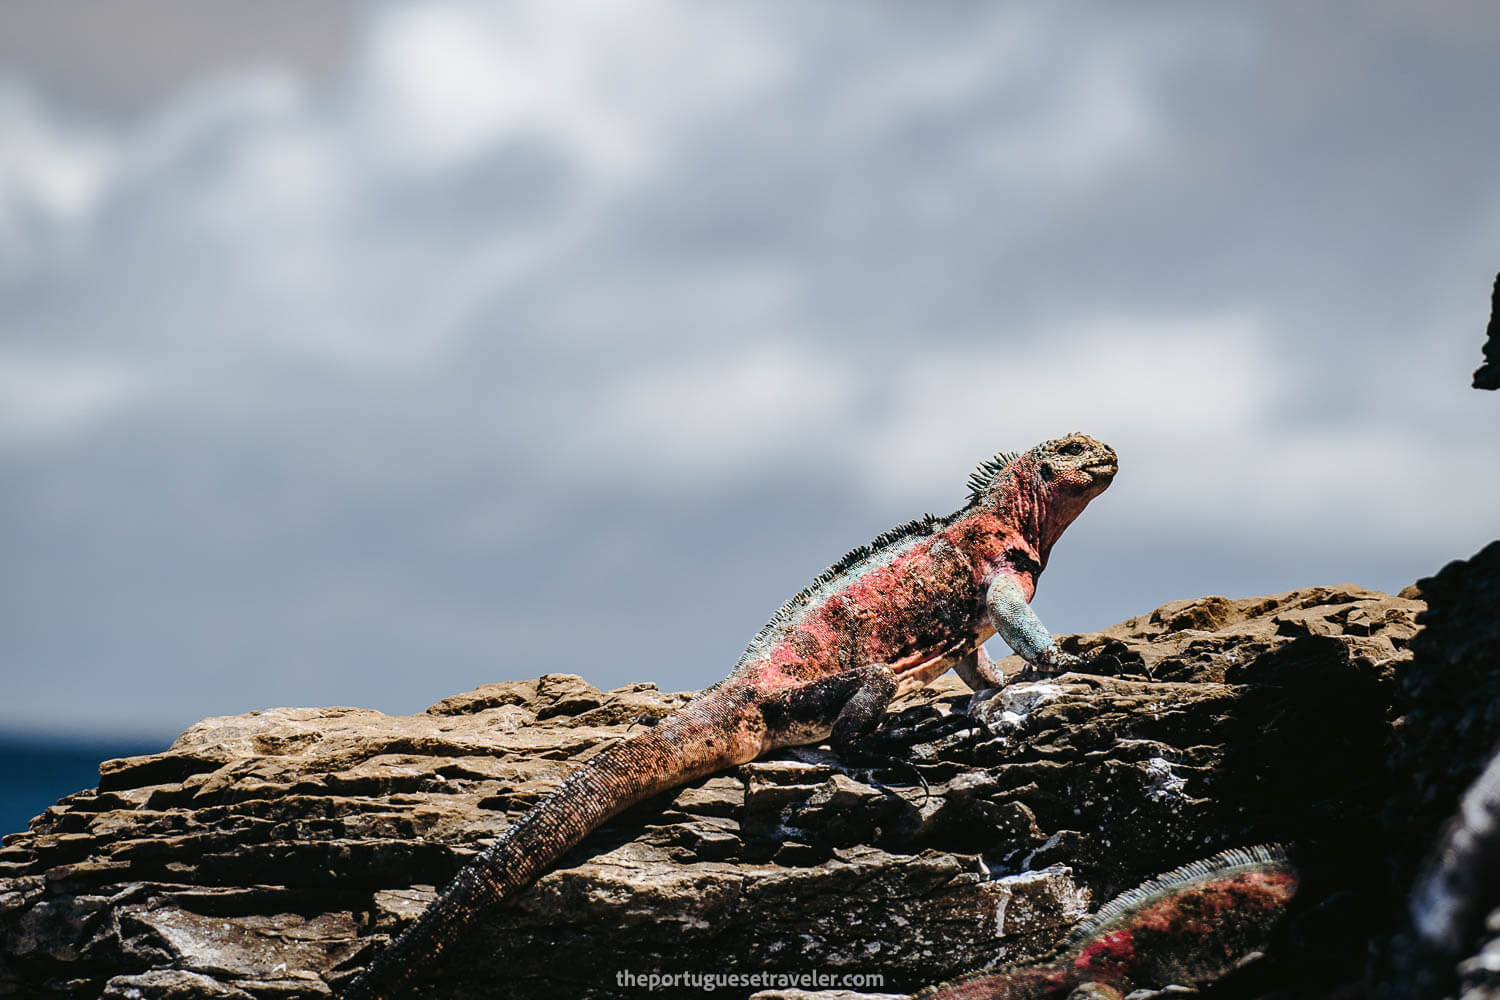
x=1075 y=466
x=1042 y=490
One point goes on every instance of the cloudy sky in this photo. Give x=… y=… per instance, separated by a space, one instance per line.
x=363 y=354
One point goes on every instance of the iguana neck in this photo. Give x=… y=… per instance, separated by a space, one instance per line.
x=1037 y=512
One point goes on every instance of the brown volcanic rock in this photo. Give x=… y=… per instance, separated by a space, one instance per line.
x=269 y=854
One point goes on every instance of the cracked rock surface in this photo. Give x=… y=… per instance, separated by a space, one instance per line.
x=269 y=855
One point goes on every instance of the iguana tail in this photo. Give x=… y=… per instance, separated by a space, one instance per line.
x=697 y=740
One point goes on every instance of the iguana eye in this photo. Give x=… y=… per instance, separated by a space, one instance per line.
x=1072 y=448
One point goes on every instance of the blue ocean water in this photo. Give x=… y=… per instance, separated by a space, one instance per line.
x=36 y=772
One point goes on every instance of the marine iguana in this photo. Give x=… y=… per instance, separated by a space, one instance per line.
x=1187 y=927
x=887 y=618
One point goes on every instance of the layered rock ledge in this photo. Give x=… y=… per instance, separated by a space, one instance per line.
x=269 y=855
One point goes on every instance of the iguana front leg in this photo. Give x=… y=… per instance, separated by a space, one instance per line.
x=1023 y=631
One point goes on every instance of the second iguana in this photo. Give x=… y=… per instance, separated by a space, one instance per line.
x=1188 y=927
x=887 y=618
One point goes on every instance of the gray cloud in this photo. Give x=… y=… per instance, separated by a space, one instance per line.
x=556 y=338
x=120 y=59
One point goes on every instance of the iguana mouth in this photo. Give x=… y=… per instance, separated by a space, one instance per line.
x=1106 y=469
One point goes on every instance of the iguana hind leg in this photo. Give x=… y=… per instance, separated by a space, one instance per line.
x=848 y=706
x=842 y=707
x=854 y=729
x=861 y=714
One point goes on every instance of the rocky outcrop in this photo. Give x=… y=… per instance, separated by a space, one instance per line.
x=1488 y=374
x=1449 y=700
x=268 y=855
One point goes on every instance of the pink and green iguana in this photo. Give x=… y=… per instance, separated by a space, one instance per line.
x=887 y=618
x=1186 y=928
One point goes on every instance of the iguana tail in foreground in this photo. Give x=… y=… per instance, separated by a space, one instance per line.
x=1185 y=928
x=887 y=618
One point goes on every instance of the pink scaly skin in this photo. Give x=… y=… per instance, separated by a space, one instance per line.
x=888 y=618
